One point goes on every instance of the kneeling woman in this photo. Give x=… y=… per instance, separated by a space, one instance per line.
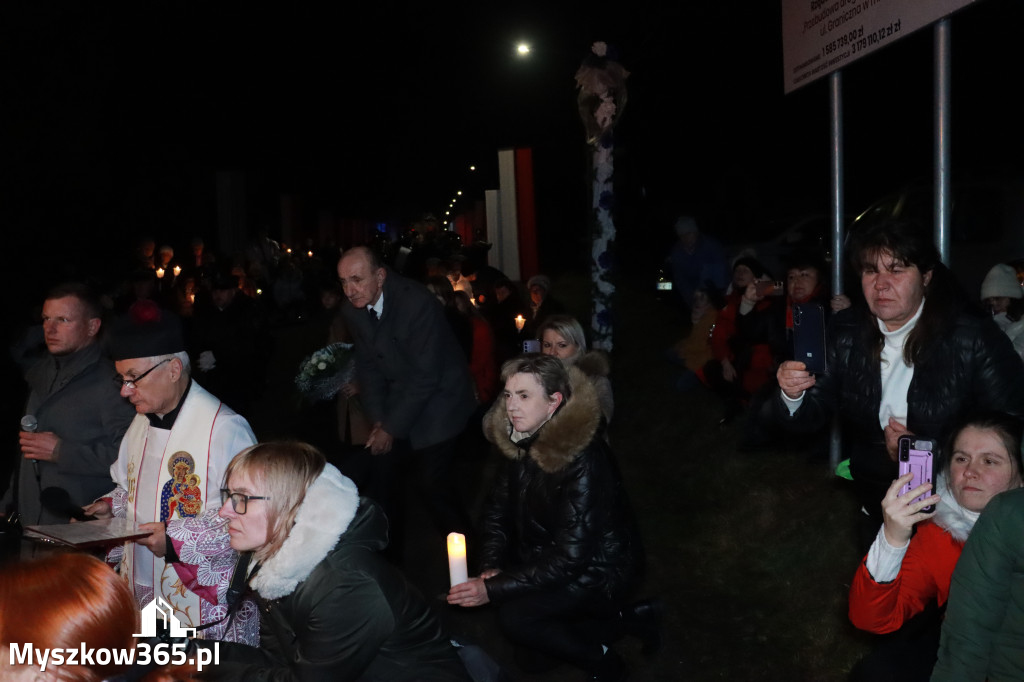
x=908 y=570
x=330 y=607
x=559 y=546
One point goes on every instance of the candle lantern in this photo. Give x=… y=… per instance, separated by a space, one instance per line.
x=520 y=322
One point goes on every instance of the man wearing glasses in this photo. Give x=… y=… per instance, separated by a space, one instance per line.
x=169 y=472
x=78 y=417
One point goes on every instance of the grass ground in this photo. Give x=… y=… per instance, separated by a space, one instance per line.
x=752 y=552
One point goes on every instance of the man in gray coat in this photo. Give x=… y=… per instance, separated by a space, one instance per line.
x=79 y=414
x=414 y=384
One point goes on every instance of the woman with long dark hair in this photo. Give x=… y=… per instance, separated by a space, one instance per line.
x=914 y=360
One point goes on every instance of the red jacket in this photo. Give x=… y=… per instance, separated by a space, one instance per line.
x=924 y=576
x=760 y=366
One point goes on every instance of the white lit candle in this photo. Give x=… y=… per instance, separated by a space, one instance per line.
x=159 y=273
x=457 y=570
x=520 y=322
x=177 y=270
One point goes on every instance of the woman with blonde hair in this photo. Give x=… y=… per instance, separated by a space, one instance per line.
x=331 y=607
x=562 y=336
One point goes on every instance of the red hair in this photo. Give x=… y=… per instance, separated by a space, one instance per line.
x=64 y=601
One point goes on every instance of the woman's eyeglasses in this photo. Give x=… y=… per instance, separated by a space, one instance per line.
x=239 y=502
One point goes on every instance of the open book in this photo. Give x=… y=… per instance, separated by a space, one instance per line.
x=84 y=534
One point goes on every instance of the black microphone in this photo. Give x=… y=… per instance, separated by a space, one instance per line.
x=58 y=501
x=30 y=424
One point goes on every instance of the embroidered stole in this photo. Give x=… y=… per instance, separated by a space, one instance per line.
x=182 y=490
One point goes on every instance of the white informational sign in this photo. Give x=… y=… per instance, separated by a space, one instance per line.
x=820 y=36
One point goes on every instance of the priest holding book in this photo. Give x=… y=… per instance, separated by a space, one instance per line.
x=169 y=472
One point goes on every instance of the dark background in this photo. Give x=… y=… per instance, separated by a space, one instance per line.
x=115 y=118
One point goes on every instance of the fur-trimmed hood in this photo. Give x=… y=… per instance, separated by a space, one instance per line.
x=949 y=515
x=559 y=441
x=326 y=511
x=594 y=363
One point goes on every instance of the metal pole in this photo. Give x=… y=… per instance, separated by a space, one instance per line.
x=835 y=83
x=942 y=130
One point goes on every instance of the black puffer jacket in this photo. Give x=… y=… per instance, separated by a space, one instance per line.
x=331 y=608
x=971 y=366
x=558 y=516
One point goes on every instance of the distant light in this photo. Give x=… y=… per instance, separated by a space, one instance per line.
x=472 y=168
x=288 y=250
x=259 y=292
x=309 y=253
x=523 y=49
x=459 y=193
x=447 y=212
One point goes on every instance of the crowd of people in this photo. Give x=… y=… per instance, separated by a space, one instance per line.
x=292 y=560
x=909 y=356
x=295 y=565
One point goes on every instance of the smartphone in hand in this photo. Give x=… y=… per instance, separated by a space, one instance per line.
x=531 y=346
x=809 y=336
x=915 y=456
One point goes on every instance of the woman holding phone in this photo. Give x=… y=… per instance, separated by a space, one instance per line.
x=908 y=570
x=914 y=360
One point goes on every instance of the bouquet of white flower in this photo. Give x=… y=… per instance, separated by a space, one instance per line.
x=323 y=373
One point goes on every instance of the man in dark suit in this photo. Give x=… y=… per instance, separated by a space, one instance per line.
x=414 y=384
x=79 y=416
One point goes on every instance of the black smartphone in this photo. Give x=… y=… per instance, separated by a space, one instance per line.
x=916 y=456
x=809 y=336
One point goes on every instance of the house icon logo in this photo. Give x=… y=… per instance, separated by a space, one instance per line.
x=160 y=609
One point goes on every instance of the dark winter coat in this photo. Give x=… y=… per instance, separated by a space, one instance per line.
x=331 y=608
x=971 y=366
x=984 y=625
x=558 y=516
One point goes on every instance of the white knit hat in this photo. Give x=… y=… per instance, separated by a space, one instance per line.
x=1000 y=281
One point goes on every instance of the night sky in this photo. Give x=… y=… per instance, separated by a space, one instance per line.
x=116 y=117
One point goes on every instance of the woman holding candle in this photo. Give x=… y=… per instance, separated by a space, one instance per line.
x=330 y=606
x=559 y=545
